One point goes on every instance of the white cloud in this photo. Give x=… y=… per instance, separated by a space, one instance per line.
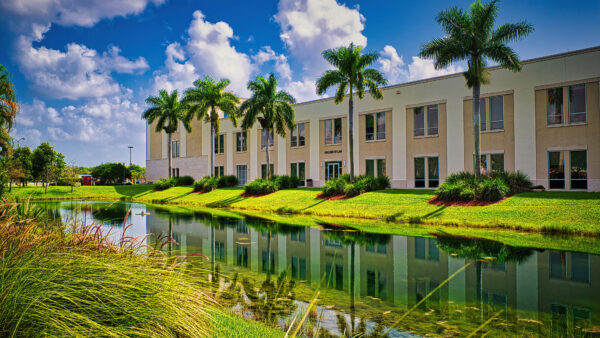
x=207 y=51
x=396 y=70
x=303 y=91
x=75 y=73
x=24 y=14
x=282 y=67
x=309 y=27
x=58 y=134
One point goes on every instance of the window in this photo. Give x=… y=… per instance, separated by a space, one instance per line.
x=419 y=172
x=556 y=169
x=375 y=167
x=263 y=140
x=297 y=136
x=381 y=248
x=433 y=170
x=483 y=163
x=578 y=169
x=432 y=120
x=175 y=172
x=220 y=144
x=263 y=170
x=298 y=268
x=299 y=236
x=220 y=251
x=266 y=258
x=426 y=248
x=175 y=149
x=241 y=227
x=482 y=115
x=219 y=171
x=334 y=276
x=555 y=105
x=333 y=131
x=376 y=284
x=497 y=162
x=241 y=141
x=241 y=173
x=429 y=174
x=375 y=126
x=419 y=121
x=580 y=267
x=571 y=266
x=242 y=256
x=299 y=170
x=497 y=112
x=577 y=110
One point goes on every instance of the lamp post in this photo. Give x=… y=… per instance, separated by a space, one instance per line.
x=130 y=147
x=19 y=142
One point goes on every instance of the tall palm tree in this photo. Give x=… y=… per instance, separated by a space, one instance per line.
x=8 y=108
x=272 y=108
x=204 y=100
x=351 y=76
x=168 y=111
x=471 y=36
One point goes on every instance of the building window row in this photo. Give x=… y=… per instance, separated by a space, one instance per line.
x=241 y=171
x=333 y=131
x=495 y=113
x=220 y=144
x=578 y=169
x=263 y=170
x=297 y=136
x=175 y=148
x=241 y=141
x=298 y=169
x=375 y=167
x=490 y=162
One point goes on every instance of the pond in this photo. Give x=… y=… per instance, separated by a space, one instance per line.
x=367 y=284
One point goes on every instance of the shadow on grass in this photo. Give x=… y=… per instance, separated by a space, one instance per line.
x=565 y=195
x=133 y=190
x=319 y=201
x=176 y=197
x=226 y=202
x=406 y=191
x=420 y=219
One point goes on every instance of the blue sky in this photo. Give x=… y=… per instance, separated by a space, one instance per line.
x=82 y=69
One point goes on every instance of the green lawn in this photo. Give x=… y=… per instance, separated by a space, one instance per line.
x=560 y=212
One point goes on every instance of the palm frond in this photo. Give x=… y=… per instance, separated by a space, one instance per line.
x=511 y=32
x=329 y=79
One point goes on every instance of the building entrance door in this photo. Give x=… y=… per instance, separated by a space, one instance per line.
x=333 y=169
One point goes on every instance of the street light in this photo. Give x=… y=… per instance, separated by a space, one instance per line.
x=130 y=147
x=19 y=142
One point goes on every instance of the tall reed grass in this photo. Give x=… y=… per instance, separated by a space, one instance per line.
x=77 y=283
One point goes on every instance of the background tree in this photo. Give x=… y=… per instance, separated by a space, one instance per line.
x=15 y=172
x=471 y=36
x=69 y=177
x=204 y=101
x=111 y=173
x=8 y=109
x=168 y=111
x=47 y=164
x=137 y=172
x=273 y=110
x=22 y=156
x=351 y=75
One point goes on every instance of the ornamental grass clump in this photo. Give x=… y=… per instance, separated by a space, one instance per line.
x=344 y=186
x=463 y=186
x=78 y=283
x=227 y=181
x=206 y=184
x=164 y=184
x=260 y=187
x=287 y=182
x=184 y=181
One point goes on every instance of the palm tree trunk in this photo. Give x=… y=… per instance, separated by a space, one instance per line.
x=268 y=163
x=169 y=155
x=352 y=277
x=212 y=149
x=351 y=133
x=477 y=164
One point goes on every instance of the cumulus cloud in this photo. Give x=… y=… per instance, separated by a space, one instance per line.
x=75 y=73
x=282 y=67
x=396 y=70
x=207 y=51
x=303 y=91
x=310 y=26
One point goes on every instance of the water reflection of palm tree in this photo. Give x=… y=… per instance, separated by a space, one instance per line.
x=351 y=238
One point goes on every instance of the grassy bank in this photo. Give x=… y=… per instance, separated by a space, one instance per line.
x=545 y=212
x=78 y=284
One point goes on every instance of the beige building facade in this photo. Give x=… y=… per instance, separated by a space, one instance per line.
x=543 y=121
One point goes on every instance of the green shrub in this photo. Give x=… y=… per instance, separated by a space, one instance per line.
x=227 y=181
x=287 y=182
x=260 y=187
x=464 y=176
x=164 y=183
x=346 y=178
x=352 y=189
x=382 y=182
x=184 y=180
x=334 y=187
x=450 y=191
x=206 y=184
x=491 y=190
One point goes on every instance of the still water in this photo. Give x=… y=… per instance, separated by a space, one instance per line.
x=369 y=285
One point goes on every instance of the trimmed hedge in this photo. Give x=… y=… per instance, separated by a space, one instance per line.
x=260 y=187
x=227 y=181
x=164 y=183
x=184 y=180
x=287 y=182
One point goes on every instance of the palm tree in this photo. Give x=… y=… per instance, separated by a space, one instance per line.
x=8 y=108
x=471 y=36
x=351 y=75
x=204 y=100
x=272 y=108
x=168 y=111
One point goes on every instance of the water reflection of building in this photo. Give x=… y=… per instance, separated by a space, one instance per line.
x=402 y=270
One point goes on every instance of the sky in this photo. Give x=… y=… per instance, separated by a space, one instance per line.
x=83 y=68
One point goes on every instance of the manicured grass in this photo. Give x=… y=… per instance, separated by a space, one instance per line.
x=548 y=212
